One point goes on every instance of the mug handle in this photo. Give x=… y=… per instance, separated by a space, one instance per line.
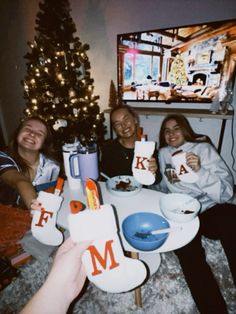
x=72 y=166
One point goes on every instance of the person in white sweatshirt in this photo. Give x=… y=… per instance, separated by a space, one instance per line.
x=213 y=186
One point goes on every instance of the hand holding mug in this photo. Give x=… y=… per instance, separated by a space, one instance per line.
x=193 y=161
x=152 y=166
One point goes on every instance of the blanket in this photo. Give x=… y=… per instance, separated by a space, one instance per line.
x=14 y=222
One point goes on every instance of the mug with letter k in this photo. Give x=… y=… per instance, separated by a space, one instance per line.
x=143 y=151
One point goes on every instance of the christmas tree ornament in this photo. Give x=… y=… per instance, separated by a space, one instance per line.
x=60 y=123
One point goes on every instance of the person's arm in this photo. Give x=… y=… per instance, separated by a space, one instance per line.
x=64 y=282
x=21 y=183
x=215 y=177
x=152 y=166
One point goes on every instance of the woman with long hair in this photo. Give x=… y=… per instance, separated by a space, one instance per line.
x=27 y=162
x=214 y=188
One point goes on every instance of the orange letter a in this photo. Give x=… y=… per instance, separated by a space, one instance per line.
x=182 y=170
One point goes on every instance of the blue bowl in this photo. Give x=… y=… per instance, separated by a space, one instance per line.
x=137 y=227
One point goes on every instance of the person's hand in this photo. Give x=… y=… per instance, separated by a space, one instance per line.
x=64 y=282
x=152 y=165
x=193 y=161
x=68 y=273
x=35 y=205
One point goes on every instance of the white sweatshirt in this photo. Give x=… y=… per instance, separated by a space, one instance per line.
x=215 y=179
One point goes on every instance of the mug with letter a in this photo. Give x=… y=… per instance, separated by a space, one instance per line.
x=183 y=171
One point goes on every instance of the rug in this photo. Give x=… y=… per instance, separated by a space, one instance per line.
x=14 y=222
x=165 y=292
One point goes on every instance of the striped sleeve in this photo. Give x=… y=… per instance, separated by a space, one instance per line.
x=6 y=163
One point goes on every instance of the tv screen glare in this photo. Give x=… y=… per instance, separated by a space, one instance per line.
x=194 y=63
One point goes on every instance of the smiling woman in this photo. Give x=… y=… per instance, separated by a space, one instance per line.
x=117 y=155
x=191 y=165
x=28 y=162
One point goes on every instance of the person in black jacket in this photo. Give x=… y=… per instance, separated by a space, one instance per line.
x=117 y=155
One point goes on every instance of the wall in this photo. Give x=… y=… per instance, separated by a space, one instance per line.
x=98 y=22
x=16 y=28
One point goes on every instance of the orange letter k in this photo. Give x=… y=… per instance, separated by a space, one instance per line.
x=139 y=164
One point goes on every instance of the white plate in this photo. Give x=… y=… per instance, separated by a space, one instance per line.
x=133 y=188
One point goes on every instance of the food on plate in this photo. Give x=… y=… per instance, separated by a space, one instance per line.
x=123 y=185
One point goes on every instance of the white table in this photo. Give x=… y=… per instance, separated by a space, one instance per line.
x=145 y=201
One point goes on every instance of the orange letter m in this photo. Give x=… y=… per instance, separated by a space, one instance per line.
x=102 y=261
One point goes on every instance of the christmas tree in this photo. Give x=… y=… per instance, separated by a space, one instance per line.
x=177 y=74
x=58 y=86
x=113 y=97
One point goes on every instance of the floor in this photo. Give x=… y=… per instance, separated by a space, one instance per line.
x=165 y=292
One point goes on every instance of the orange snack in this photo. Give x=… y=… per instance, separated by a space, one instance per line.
x=75 y=206
x=140 y=132
x=59 y=186
x=92 y=194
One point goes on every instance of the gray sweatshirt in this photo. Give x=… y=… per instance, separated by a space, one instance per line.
x=215 y=182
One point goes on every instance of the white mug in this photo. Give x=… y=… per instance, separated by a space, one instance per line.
x=183 y=171
x=71 y=165
x=87 y=159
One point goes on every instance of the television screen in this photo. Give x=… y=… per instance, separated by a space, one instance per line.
x=194 y=63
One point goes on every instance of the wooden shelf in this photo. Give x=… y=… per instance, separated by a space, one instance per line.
x=194 y=113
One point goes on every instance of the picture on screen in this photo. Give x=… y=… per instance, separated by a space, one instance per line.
x=183 y=64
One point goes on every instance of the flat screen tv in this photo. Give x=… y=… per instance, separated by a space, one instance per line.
x=184 y=64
